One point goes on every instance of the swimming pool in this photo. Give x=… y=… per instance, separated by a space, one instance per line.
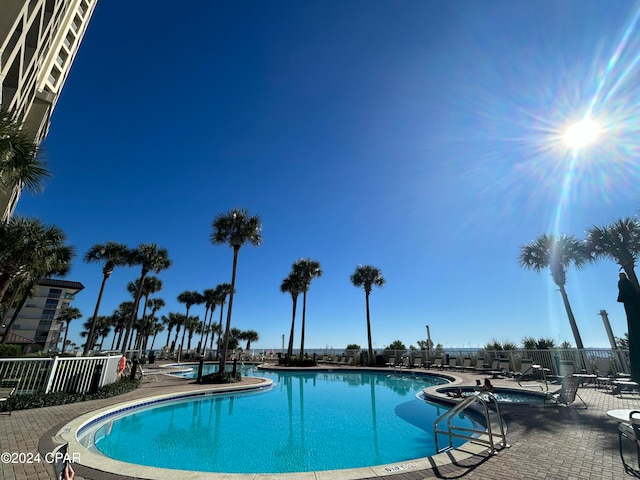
x=306 y=422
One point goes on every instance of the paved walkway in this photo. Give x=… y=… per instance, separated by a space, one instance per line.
x=546 y=443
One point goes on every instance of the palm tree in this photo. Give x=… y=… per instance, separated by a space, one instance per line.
x=250 y=336
x=209 y=296
x=292 y=285
x=234 y=228
x=21 y=162
x=190 y=298
x=222 y=290
x=156 y=328
x=102 y=329
x=113 y=255
x=49 y=257
x=24 y=243
x=193 y=325
x=366 y=276
x=152 y=259
x=619 y=242
x=169 y=321
x=67 y=314
x=150 y=285
x=154 y=304
x=557 y=253
x=215 y=330
x=178 y=320
x=120 y=319
x=306 y=270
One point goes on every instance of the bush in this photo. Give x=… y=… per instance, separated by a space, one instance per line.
x=305 y=362
x=224 y=377
x=10 y=350
x=37 y=400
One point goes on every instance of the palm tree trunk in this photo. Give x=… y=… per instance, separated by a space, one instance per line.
x=225 y=344
x=66 y=332
x=206 y=334
x=220 y=333
x=90 y=342
x=16 y=291
x=134 y=314
x=5 y=281
x=182 y=339
x=304 y=314
x=175 y=340
x=293 y=322
x=23 y=300
x=168 y=336
x=572 y=320
x=369 y=331
x=631 y=273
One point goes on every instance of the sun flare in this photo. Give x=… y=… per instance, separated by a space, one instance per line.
x=582 y=134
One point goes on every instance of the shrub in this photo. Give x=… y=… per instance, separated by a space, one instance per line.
x=304 y=362
x=222 y=377
x=9 y=350
x=37 y=400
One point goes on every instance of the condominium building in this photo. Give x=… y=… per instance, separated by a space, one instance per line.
x=39 y=40
x=37 y=326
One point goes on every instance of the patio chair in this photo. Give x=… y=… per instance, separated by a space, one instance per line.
x=437 y=362
x=620 y=385
x=568 y=392
x=452 y=363
x=417 y=362
x=630 y=431
x=481 y=367
x=605 y=372
x=391 y=362
x=466 y=364
x=7 y=390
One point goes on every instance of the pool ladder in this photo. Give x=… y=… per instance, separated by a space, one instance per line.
x=489 y=437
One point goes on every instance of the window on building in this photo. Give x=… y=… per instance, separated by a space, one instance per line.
x=55 y=293
x=51 y=303
x=47 y=314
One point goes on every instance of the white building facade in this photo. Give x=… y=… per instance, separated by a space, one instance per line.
x=39 y=40
x=37 y=319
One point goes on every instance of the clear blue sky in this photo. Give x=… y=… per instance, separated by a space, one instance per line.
x=419 y=137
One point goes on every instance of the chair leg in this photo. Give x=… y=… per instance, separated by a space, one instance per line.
x=628 y=469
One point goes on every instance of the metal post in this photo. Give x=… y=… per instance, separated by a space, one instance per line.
x=428 y=344
x=607 y=327
x=200 y=369
x=618 y=358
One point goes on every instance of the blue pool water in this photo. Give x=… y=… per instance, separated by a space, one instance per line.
x=305 y=422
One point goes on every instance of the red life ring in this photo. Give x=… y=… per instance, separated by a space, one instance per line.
x=122 y=364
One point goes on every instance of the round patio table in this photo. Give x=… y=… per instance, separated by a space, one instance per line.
x=620 y=414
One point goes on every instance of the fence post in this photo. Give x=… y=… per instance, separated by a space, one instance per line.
x=52 y=372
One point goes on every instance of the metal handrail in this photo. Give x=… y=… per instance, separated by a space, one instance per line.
x=483 y=437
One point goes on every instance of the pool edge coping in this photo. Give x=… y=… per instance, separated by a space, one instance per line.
x=68 y=434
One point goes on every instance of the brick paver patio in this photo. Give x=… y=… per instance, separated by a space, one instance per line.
x=545 y=442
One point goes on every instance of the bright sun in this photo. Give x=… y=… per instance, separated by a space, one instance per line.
x=582 y=134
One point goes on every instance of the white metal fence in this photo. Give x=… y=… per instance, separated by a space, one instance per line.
x=59 y=374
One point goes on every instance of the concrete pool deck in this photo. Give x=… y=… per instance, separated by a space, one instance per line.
x=546 y=442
